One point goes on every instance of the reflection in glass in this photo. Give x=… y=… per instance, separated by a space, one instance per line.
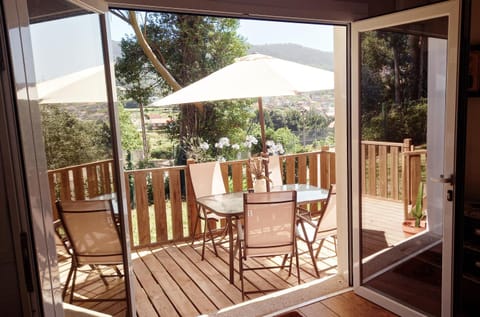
x=72 y=97
x=402 y=100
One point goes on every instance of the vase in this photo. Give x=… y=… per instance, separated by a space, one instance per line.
x=260 y=185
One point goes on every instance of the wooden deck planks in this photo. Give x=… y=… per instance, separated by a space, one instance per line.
x=187 y=283
x=151 y=294
x=168 y=284
x=172 y=280
x=216 y=296
x=348 y=304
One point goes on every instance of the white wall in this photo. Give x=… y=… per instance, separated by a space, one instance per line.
x=341 y=161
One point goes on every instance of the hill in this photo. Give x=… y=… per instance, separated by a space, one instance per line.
x=296 y=53
x=290 y=52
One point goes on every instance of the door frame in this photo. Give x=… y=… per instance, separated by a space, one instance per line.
x=450 y=9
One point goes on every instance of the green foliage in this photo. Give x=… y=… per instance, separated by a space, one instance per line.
x=393 y=86
x=289 y=140
x=129 y=135
x=71 y=141
x=190 y=47
x=417 y=210
x=397 y=123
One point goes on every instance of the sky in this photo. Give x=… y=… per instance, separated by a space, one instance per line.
x=54 y=46
x=263 y=32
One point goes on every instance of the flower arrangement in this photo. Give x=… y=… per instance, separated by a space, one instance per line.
x=256 y=166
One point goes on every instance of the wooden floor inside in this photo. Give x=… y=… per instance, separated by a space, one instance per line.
x=172 y=280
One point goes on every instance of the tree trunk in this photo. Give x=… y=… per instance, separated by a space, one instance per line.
x=396 y=72
x=144 y=133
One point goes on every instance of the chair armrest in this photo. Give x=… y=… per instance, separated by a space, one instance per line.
x=302 y=218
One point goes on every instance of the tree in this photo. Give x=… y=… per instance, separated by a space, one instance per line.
x=129 y=135
x=70 y=141
x=188 y=48
x=393 y=86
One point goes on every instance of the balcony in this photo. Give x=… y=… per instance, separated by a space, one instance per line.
x=170 y=278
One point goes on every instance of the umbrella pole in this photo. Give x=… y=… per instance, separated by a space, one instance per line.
x=264 y=140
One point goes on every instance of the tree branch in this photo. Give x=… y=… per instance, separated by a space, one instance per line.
x=150 y=55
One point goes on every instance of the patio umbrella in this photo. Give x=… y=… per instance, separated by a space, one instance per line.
x=253 y=76
x=84 y=86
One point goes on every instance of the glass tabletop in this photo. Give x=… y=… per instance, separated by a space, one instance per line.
x=231 y=204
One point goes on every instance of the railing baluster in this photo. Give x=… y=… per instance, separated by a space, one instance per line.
x=176 y=204
x=141 y=200
x=158 y=188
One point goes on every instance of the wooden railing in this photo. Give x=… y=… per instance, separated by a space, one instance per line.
x=392 y=170
x=80 y=182
x=161 y=205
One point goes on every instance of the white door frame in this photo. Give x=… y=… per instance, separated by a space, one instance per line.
x=450 y=9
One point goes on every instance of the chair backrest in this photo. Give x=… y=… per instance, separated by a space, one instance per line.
x=275 y=170
x=206 y=179
x=328 y=219
x=269 y=223
x=92 y=231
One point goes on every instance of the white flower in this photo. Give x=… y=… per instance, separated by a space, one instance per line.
x=222 y=142
x=204 y=146
x=249 y=140
x=274 y=148
x=235 y=146
x=221 y=159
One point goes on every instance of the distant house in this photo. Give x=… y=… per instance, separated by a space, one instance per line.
x=156 y=121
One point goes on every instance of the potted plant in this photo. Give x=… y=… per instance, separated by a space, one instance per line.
x=417 y=223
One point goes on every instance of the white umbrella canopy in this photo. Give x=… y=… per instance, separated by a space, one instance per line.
x=85 y=86
x=253 y=76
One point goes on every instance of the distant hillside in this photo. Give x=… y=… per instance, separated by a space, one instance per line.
x=296 y=53
x=291 y=52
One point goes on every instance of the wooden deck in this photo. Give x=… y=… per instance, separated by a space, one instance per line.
x=173 y=281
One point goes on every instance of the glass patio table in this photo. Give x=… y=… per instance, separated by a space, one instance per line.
x=230 y=206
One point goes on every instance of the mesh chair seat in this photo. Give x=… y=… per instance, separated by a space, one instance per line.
x=206 y=179
x=268 y=230
x=93 y=236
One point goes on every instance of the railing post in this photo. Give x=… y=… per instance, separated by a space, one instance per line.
x=407 y=147
x=191 y=205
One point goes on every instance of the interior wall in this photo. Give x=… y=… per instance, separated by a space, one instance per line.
x=341 y=146
x=472 y=168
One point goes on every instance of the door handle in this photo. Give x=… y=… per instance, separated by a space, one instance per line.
x=444 y=180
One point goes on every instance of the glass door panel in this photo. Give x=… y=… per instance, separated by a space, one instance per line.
x=405 y=147
x=78 y=136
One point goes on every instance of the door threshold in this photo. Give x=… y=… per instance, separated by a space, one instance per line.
x=285 y=300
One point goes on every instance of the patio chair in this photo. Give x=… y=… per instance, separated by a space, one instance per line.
x=275 y=170
x=94 y=239
x=206 y=179
x=269 y=230
x=317 y=228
